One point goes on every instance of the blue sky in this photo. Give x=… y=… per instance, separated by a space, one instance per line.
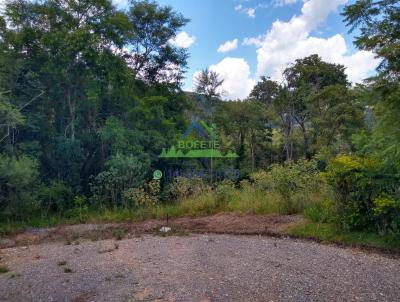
x=213 y=22
x=304 y=27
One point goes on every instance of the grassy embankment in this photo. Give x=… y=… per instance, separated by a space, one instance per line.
x=234 y=201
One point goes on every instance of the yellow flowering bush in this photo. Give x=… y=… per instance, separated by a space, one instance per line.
x=146 y=195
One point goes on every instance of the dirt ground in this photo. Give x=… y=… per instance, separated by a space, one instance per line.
x=202 y=259
x=218 y=224
x=197 y=267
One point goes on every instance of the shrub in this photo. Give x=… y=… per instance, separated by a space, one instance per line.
x=56 y=197
x=358 y=183
x=224 y=190
x=321 y=211
x=183 y=187
x=146 y=195
x=295 y=182
x=4 y=269
x=122 y=173
x=80 y=207
x=19 y=182
x=261 y=180
x=387 y=213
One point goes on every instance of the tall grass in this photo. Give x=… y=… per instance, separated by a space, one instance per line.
x=247 y=200
x=285 y=190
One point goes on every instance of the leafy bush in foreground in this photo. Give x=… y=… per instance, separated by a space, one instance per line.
x=295 y=183
x=367 y=196
x=123 y=173
x=146 y=195
x=183 y=187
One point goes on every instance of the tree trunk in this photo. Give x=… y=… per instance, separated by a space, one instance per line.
x=253 y=151
x=288 y=137
x=71 y=108
x=306 y=141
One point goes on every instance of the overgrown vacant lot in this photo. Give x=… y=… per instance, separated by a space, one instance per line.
x=197 y=268
x=277 y=165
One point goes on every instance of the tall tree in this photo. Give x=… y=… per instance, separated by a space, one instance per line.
x=335 y=114
x=379 y=26
x=208 y=83
x=244 y=124
x=150 y=51
x=378 y=23
x=308 y=76
x=279 y=108
x=71 y=50
x=265 y=91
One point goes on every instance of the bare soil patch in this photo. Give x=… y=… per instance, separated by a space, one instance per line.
x=226 y=223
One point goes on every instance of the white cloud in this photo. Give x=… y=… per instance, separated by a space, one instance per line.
x=236 y=75
x=287 y=41
x=183 y=40
x=228 y=46
x=238 y=7
x=2 y=6
x=251 y=12
x=256 y=41
x=284 y=2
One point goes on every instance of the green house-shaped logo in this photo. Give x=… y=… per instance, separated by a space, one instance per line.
x=207 y=147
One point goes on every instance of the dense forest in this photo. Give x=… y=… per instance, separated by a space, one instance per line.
x=91 y=95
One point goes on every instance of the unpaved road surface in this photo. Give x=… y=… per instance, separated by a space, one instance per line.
x=196 y=268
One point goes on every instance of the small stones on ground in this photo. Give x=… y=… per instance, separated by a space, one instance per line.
x=108 y=247
x=196 y=269
x=165 y=229
x=142 y=294
x=4 y=243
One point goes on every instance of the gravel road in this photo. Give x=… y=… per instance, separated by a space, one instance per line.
x=196 y=268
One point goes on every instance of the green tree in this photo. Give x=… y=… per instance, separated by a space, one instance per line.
x=73 y=52
x=335 y=114
x=208 y=83
x=19 y=184
x=153 y=57
x=265 y=91
x=279 y=109
x=305 y=77
x=245 y=127
x=10 y=118
x=378 y=23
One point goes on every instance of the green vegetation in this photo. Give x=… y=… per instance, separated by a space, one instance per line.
x=62 y=263
x=90 y=96
x=67 y=270
x=119 y=233
x=329 y=233
x=4 y=269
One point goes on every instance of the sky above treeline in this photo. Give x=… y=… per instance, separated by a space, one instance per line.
x=245 y=39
